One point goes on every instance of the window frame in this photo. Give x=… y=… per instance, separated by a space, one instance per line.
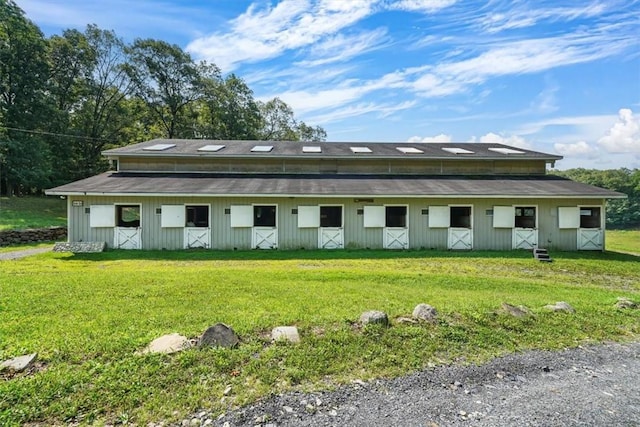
x=406 y=216
x=452 y=216
x=600 y=216
x=341 y=216
x=275 y=214
x=523 y=207
x=197 y=206
x=119 y=211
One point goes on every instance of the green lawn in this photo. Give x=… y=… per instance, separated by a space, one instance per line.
x=627 y=241
x=86 y=315
x=32 y=212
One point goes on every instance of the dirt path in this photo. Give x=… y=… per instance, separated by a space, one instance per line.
x=590 y=386
x=23 y=253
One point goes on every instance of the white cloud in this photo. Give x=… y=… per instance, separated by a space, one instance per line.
x=624 y=136
x=260 y=34
x=339 y=48
x=425 y=6
x=513 y=140
x=522 y=18
x=381 y=110
x=438 y=138
x=577 y=149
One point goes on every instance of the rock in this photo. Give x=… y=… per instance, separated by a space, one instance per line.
x=625 y=303
x=20 y=363
x=285 y=333
x=375 y=317
x=219 y=335
x=519 y=311
x=560 y=306
x=171 y=343
x=425 y=312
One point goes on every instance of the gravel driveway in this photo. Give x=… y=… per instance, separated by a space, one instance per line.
x=586 y=386
x=23 y=253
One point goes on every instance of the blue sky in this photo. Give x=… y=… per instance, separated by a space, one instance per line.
x=558 y=77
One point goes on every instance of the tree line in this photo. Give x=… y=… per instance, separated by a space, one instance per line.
x=66 y=98
x=621 y=213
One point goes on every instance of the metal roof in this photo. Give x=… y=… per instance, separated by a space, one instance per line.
x=333 y=185
x=288 y=149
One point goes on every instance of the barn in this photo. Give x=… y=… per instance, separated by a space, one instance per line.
x=226 y=195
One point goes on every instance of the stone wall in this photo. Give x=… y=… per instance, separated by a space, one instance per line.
x=32 y=235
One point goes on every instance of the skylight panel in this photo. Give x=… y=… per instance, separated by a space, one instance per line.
x=504 y=150
x=409 y=150
x=360 y=149
x=311 y=149
x=457 y=150
x=262 y=149
x=211 y=148
x=159 y=147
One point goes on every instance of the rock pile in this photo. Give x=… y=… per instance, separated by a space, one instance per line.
x=32 y=235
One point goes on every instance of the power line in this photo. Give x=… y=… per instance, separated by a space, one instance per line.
x=39 y=132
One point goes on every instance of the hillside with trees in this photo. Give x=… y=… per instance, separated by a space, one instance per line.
x=621 y=213
x=66 y=98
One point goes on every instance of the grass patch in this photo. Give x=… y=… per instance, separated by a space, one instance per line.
x=627 y=241
x=17 y=213
x=87 y=314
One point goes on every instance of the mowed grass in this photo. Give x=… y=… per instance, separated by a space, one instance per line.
x=17 y=213
x=87 y=315
x=627 y=241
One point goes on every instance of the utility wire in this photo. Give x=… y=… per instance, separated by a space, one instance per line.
x=39 y=132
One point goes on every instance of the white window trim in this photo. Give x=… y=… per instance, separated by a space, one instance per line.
x=522 y=205
x=139 y=205
x=197 y=204
x=341 y=212
x=602 y=216
x=393 y=205
x=470 y=215
x=264 y=204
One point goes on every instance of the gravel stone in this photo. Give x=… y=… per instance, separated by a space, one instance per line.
x=584 y=386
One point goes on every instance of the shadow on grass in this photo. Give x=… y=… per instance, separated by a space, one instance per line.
x=278 y=255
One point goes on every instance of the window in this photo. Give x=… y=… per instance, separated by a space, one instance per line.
x=396 y=216
x=330 y=216
x=311 y=149
x=590 y=217
x=128 y=215
x=197 y=216
x=460 y=217
x=457 y=150
x=525 y=217
x=360 y=150
x=409 y=150
x=159 y=147
x=211 y=148
x=262 y=148
x=505 y=150
x=264 y=216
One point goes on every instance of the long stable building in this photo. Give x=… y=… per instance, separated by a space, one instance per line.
x=174 y=194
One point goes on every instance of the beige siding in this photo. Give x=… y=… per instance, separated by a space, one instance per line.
x=355 y=235
x=355 y=166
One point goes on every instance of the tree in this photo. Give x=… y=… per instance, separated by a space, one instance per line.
x=24 y=157
x=229 y=110
x=105 y=113
x=279 y=124
x=621 y=213
x=168 y=80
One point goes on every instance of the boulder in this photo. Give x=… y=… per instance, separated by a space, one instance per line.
x=285 y=333
x=374 y=317
x=560 y=306
x=519 y=311
x=168 y=344
x=219 y=335
x=20 y=363
x=625 y=303
x=425 y=312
